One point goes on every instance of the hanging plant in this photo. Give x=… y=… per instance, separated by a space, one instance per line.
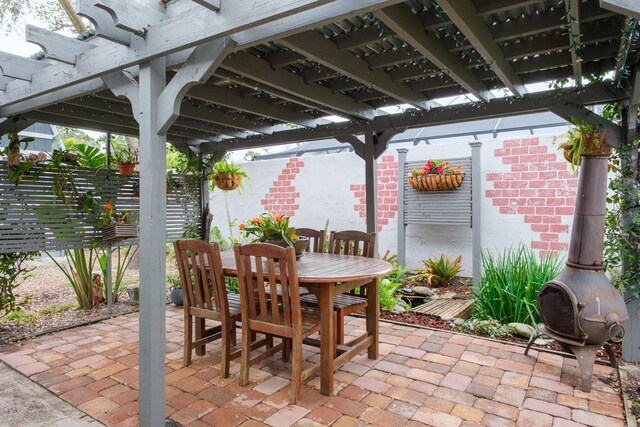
x=583 y=139
x=227 y=175
x=126 y=160
x=436 y=175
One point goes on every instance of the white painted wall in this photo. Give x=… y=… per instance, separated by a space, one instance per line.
x=324 y=186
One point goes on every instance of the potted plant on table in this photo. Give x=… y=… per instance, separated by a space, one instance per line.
x=436 y=175
x=275 y=229
x=227 y=175
x=126 y=159
x=176 y=289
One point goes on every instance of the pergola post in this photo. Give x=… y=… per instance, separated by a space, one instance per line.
x=371 y=182
x=153 y=203
x=476 y=211
x=402 y=226
x=631 y=342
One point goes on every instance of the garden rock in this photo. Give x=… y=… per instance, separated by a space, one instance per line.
x=458 y=321
x=398 y=309
x=423 y=291
x=542 y=341
x=522 y=329
x=406 y=291
x=448 y=295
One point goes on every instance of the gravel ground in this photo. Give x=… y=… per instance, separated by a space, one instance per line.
x=49 y=288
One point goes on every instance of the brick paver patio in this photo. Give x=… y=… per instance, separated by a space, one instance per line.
x=423 y=377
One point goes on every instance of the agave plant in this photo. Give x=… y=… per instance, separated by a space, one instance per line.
x=440 y=271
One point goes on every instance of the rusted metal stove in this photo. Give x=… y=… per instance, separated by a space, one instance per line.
x=580 y=308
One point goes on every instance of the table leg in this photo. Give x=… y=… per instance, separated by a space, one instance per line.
x=327 y=339
x=373 y=313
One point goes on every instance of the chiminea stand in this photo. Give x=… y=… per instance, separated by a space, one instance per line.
x=585 y=355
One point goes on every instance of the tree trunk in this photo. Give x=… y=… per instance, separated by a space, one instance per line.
x=73 y=16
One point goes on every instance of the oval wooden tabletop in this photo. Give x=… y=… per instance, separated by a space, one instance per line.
x=317 y=267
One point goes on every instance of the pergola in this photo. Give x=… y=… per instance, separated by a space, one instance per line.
x=215 y=75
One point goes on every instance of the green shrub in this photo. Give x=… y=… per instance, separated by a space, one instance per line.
x=487 y=327
x=19 y=316
x=440 y=271
x=58 y=308
x=173 y=279
x=12 y=271
x=510 y=284
x=390 y=283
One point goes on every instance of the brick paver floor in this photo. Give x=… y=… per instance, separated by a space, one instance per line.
x=423 y=377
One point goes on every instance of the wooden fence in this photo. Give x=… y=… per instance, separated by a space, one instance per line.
x=33 y=218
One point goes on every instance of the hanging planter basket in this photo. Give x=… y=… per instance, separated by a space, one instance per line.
x=227 y=182
x=431 y=182
x=120 y=232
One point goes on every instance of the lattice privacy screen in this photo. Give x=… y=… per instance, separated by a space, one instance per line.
x=32 y=218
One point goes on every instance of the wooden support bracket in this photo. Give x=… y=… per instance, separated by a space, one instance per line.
x=123 y=85
x=130 y=15
x=196 y=70
x=56 y=46
x=358 y=146
x=11 y=125
x=103 y=23
x=212 y=5
x=19 y=67
x=612 y=132
x=381 y=140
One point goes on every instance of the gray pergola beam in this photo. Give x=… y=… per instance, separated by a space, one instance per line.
x=256 y=69
x=529 y=103
x=624 y=7
x=575 y=38
x=228 y=98
x=611 y=131
x=407 y=25
x=464 y=16
x=56 y=46
x=174 y=34
x=320 y=49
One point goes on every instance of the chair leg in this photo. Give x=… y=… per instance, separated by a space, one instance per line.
x=296 y=368
x=286 y=349
x=340 y=326
x=234 y=338
x=188 y=335
x=200 y=326
x=226 y=349
x=245 y=356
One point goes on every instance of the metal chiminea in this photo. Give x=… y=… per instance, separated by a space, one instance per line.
x=580 y=308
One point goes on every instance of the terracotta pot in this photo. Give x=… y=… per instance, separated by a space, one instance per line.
x=227 y=182
x=431 y=182
x=126 y=169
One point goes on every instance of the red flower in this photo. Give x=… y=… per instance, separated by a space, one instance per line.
x=440 y=168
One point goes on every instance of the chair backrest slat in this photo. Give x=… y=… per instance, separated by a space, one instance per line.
x=351 y=242
x=201 y=275
x=261 y=266
x=316 y=239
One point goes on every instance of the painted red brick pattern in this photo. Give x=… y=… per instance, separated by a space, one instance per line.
x=282 y=196
x=387 y=192
x=538 y=187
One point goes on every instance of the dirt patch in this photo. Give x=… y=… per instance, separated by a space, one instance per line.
x=50 y=308
x=631 y=388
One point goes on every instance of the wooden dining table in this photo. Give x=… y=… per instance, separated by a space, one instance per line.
x=327 y=275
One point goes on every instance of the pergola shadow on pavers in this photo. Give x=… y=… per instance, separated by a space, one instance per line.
x=423 y=377
x=211 y=76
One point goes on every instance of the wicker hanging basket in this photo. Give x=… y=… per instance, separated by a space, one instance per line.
x=431 y=182
x=227 y=182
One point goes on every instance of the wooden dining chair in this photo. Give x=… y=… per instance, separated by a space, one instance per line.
x=260 y=266
x=348 y=242
x=316 y=239
x=205 y=297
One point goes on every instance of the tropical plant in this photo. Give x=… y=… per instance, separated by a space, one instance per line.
x=89 y=156
x=173 y=279
x=269 y=227
x=12 y=272
x=126 y=156
x=225 y=243
x=510 y=284
x=440 y=271
x=390 y=283
x=124 y=256
x=582 y=139
x=109 y=216
x=78 y=268
x=224 y=172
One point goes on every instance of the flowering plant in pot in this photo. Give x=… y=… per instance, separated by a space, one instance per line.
x=270 y=228
x=436 y=175
x=117 y=225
